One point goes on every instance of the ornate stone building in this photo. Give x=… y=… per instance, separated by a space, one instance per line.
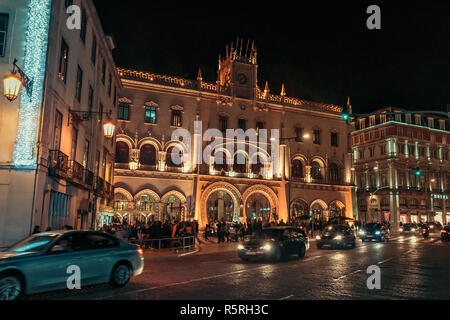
x=311 y=173
x=402 y=167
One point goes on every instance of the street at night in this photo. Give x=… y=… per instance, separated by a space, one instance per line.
x=409 y=270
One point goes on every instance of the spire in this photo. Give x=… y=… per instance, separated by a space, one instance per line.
x=283 y=91
x=199 y=74
x=266 y=89
x=350 y=109
x=220 y=62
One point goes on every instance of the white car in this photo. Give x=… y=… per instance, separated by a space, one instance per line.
x=44 y=262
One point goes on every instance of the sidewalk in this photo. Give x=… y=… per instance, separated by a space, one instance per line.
x=206 y=247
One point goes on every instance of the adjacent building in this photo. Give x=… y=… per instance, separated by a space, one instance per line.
x=309 y=174
x=56 y=164
x=402 y=165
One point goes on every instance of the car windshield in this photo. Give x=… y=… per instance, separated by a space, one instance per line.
x=35 y=243
x=267 y=234
x=333 y=228
x=373 y=226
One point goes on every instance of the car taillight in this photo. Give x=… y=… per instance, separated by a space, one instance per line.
x=444 y=231
x=140 y=251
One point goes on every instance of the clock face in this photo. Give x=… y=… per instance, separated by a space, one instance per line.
x=242 y=78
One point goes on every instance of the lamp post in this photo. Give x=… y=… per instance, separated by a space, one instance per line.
x=13 y=82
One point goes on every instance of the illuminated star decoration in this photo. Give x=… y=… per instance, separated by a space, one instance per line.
x=36 y=39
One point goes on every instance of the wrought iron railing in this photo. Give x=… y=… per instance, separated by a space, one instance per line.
x=58 y=164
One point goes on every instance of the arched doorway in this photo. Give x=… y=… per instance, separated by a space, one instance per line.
x=299 y=208
x=173 y=208
x=318 y=210
x=220 y=205
x=257 y=207
x=337 y=209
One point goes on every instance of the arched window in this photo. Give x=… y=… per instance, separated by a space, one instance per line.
x=148 y=155
x=334 y=172
x=120 y=202
x=257 y=165
x=145 y=203
x=316 y=171
x=174 y=162
x=240 y=163
x=122 y=152
x=297 y=169
x=220 y=161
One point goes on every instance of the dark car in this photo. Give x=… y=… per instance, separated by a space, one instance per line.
x=445 y=233
x=410 y=229
x=336 y=236
x=274 y=243
x=435 y=227
x=374 y=231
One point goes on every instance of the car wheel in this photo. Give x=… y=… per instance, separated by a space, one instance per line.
x=302 y=251
x=363 y=240
x=319 y=246
x=120 y=276
x=276 y=255
x=244 y=259
x=11 y=286
x=353 y=244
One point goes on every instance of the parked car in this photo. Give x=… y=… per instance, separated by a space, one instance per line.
x=445 y=233
x=374 y=231
x=41 y=262
x=274 y=243
x=336 y=235
x=410 y=229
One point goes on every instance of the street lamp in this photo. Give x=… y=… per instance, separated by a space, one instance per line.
x=13 y=82
x=108 y=130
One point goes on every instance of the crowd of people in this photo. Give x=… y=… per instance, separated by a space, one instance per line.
x=154 y=233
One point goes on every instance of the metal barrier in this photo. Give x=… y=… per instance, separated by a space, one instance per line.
x=175 y=244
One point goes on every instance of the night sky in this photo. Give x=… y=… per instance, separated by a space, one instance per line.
x=321 y=51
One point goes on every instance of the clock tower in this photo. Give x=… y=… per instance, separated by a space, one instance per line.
x=238 y=71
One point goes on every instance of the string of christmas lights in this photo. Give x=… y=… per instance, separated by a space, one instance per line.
x=36 y=40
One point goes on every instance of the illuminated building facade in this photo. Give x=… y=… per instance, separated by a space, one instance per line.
x=56 y=166
x=310 y=174
x=402 y=164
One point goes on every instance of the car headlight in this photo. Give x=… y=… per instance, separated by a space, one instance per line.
x=338 y=238
x=362 y=232
x=318 y=238
x=266 y=247
x=241 y=247
x=413 y=229
x=378 y=233
x=401 y=229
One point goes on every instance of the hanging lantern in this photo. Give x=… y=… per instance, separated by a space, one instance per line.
x=133 y=165
x=108 y=130
x=12 y=84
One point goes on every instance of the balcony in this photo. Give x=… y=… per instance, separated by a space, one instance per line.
x=76 y=173
x=58 y=164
